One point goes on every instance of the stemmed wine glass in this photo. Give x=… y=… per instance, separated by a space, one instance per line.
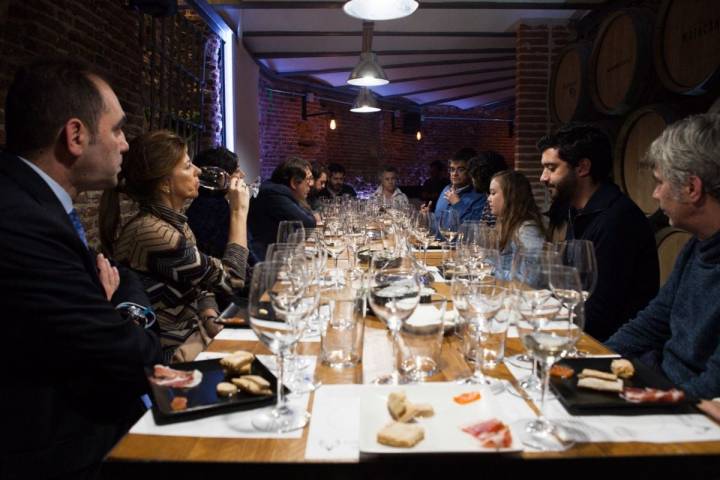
x=425 y=228
x=530 y=279
x=485 y=332
x=290 y=231
x=278 y=308
x=394 y=291
x=335 y=243
x=448 y=225
x=581 y=255
x=216 y=179
x=548 y=345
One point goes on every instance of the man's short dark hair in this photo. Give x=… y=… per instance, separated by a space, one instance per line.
x=318 y=169
x=483 y=166
x=464 y=154
x=575 y=141
x=336 y=168
x=43 y=96
x=390 y=168
x=291 y=169
x=217 y=157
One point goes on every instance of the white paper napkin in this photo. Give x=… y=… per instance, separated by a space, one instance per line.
x=335 y=424
x=246 y=334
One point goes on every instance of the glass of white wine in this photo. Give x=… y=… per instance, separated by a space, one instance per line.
x=448 y=225
x=548 y=345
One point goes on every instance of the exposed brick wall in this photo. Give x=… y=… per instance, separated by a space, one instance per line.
x=363 y=143
x=537 y=47
x=103 y=33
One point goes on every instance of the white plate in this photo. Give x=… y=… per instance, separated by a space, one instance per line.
x=443 y=431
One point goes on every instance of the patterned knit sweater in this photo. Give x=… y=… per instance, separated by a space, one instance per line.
x=179 y=280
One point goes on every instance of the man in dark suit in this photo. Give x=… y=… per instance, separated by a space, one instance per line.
x=73 y=371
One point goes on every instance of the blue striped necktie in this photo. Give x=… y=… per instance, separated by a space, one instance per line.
x=75 y=219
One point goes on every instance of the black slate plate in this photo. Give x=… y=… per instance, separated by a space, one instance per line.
x=582 y=401
x=203 y=400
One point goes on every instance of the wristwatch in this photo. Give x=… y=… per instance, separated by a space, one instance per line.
x=143 y=316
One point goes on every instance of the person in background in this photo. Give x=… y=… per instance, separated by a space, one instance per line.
x=482 y=168
x=158 y=244
x=209 y=214
x=433 y=186
x=576 y=162
x=283 y=197
x=387 y=192
x=460 y=195
x=678 y=333
x=336 y=186
x=64 y=405
x=519 y=221
x=320 y=178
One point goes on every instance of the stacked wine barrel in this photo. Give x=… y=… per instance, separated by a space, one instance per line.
x=642 y=69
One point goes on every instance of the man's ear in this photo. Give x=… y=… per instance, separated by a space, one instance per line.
x=583 y=167
x=694 y=188
x=74 y=134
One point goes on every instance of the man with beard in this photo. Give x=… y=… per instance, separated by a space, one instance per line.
x=576 y=162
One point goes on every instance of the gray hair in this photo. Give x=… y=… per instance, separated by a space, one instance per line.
x=689 y=147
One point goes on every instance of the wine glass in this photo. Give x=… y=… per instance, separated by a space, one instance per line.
x=216 y=179
x=290 y=231
x=485 y=332
x=548 y=345
x=534 y=302
x=335 y=243
x=581 y=255
x=425 y=228
x=448 y=225
x=394 y=291
x=278 y=307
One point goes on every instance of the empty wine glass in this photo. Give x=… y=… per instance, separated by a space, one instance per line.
x=448 y=225
x=425 y=228
x=290 y=231
x=394 y=294
x=278 y=307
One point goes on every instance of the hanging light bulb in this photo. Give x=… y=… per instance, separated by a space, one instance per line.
x=380 y=9
x=365 y=102
x=418 y=135
x=333 y=124
x=368 y=73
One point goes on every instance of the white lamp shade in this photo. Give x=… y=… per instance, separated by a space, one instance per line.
x=365 y=102
x=368 y=73
x=374 y=10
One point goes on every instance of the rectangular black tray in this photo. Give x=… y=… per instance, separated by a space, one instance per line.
x=582 y=401
x=203 y=399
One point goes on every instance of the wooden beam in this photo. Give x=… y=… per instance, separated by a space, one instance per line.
x=379 y=53
x=306 y=33
x=450 y=87
x=334 y=5
x=437 y=63
x=470 y=95
x=454 y=74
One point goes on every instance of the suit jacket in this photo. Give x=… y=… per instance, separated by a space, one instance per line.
x=73 y=367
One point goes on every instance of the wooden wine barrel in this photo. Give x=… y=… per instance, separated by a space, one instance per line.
x=568 y=93
x=687 y=45
x=669 y=242
x=621 y=61
x=638 y=131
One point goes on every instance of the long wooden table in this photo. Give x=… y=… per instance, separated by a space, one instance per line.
x=184 y=455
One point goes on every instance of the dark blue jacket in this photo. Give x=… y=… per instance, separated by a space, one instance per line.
x=274 y=203
x=628 y=271
x=679 y=332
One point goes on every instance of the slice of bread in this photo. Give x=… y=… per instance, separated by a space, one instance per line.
x=589 y=372
x=226 y=389
x=594 y=383
x=622 y=368
x=402 y=435
x=397 y=404
x=238 y=362
x=415 y=410
x=247 y=385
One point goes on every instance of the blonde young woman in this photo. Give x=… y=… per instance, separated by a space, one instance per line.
x=159 y=246
x=519 y=221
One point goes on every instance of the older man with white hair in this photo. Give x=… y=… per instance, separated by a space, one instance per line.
x=678 y=333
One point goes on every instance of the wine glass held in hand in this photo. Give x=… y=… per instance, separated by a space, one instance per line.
x=215 y=179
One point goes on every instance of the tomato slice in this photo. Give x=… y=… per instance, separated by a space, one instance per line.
x=467 y=397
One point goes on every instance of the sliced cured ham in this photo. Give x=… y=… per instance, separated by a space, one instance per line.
x=491 y=433
x=165 y=376
x=652 y=395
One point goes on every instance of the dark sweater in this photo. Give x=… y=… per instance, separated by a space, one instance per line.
x=679 y=331
x=628 y=271
x=274 y=203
